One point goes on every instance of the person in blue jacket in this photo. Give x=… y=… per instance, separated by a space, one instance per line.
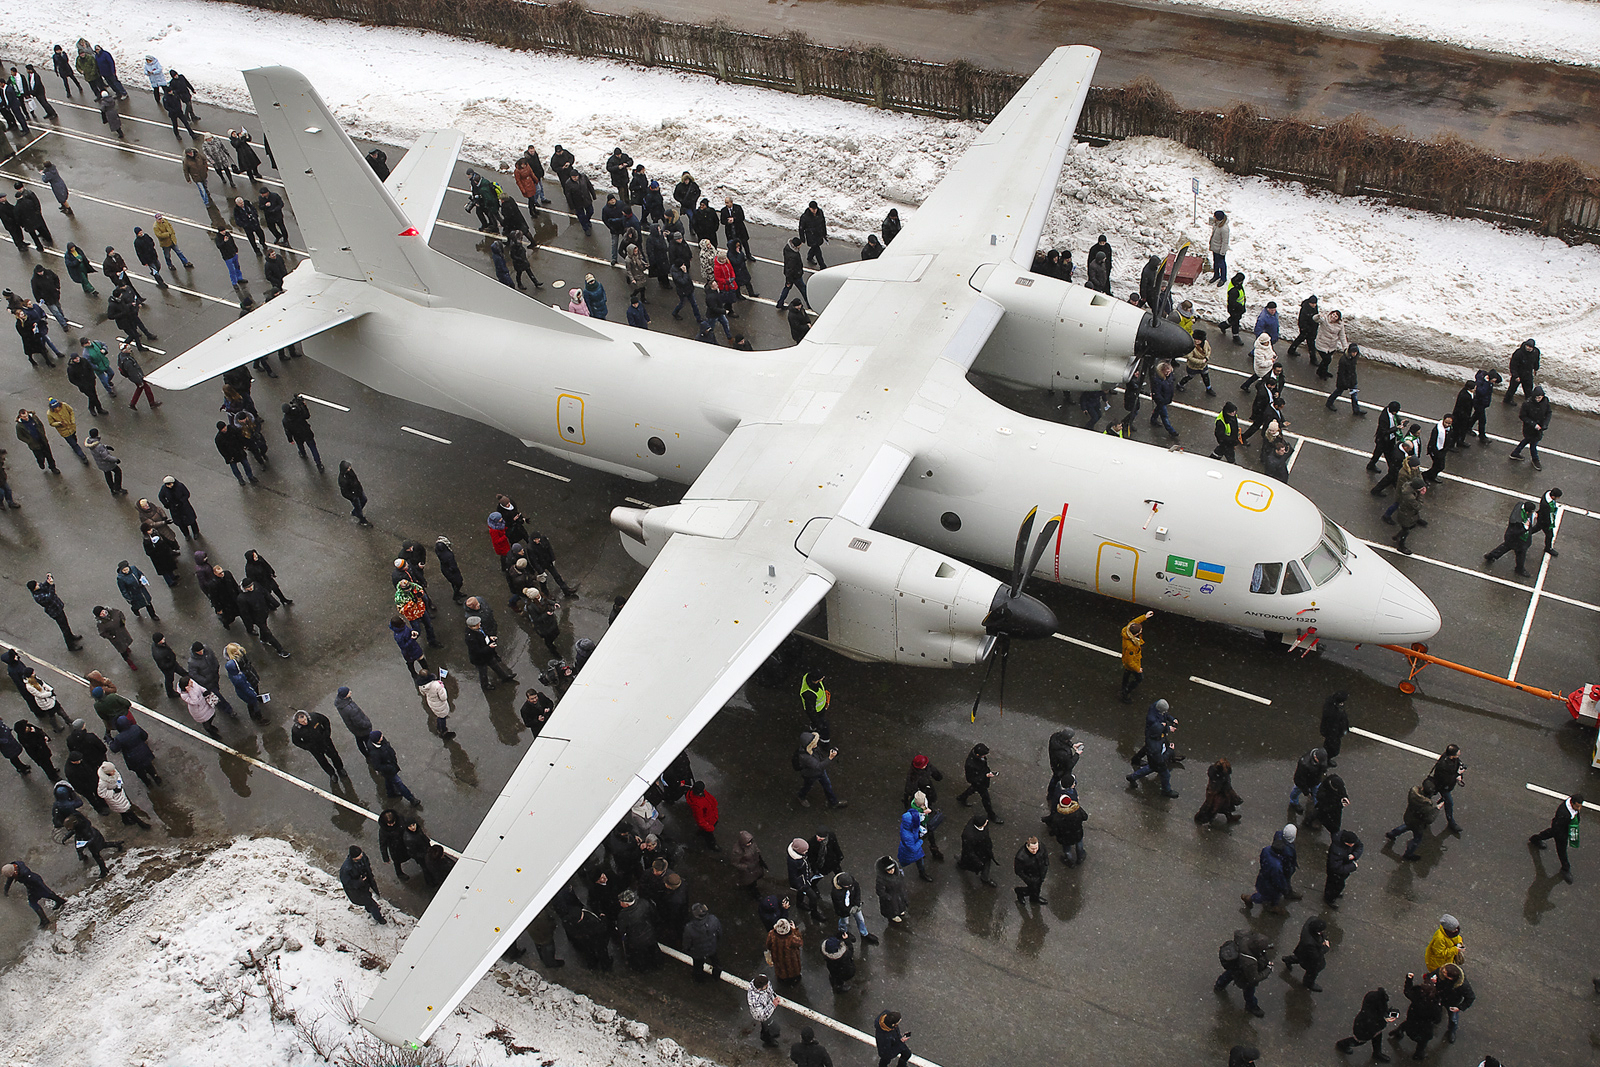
x=913 y=828
x=1272 y=879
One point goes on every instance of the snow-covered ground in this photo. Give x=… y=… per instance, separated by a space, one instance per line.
x=157 y=965
x=1416 y=289
x=1565 y=31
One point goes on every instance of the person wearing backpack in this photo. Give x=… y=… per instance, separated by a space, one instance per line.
x=1246 y=959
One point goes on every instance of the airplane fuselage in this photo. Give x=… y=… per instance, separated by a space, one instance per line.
x=1175 y=531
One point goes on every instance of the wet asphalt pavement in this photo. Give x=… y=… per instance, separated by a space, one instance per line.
x=1116 y=968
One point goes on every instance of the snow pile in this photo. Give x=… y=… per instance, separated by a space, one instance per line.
x=1566 y=31
x=1417 y=289
x=247 y=953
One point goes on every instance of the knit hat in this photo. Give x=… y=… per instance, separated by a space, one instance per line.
x=1450 y=924
x=699 y=911
x=1290 y=832
x=355 y=850
x=344 y=690
x=77 y=724
x=800 y=845
x=782 y=927
x=920 y=799
x=97 y=692
x=168 y=480
x=919 y=762
x=1162 y=705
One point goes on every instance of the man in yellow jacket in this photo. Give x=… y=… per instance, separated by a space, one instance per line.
x=1445 y=946
x=60 y=415
x=1133 y=656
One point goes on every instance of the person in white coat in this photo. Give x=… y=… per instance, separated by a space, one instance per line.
x=1330 y=342
x=1220 y=240
x=431 y=688
x=116 y=798
x=1262 y=357
x=159 y=78
x=201 y=704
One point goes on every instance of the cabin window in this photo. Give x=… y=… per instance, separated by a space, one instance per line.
x=1335 y=537
x=1294 y=580
x=656 y=445
x=950 y=521
x=1265 y=578
x=1322 y=563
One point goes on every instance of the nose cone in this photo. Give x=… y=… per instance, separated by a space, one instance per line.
x=1159 y=339
x=1405 y=613
x=1019 y=616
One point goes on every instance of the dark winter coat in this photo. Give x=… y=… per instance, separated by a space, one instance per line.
x=134 y=744
x=355 y=875
x=794 y=265
x=1335 y=719
x=1347 y=371
x=205 y=669
x=316 y=734
x=1343 y=853
x=1373 y=1017
x=391 y=839
x=1425 y=1013
x=1067 y=826
x=175 y=498
x=891 y=888
x=748 y=864
x=813 y=227
x=46 y=285
x=977 y=847
x=163 y=553
x=382 y=756
x=1031 y=866
x=702 y=936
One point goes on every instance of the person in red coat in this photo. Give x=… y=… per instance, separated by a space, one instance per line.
x=703 y=806
x=497 y=536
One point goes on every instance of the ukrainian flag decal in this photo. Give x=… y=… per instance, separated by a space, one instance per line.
x=1209 y=572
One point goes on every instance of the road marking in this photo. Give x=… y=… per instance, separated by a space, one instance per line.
x=1085 y=644
x=1391 y=741
x=1299 y=442
x=800 y=1009
x=536 y=470
x=205 y=739
x=155 y=153
x=1424 y=419
x=641 y=503
x=324 y=403
x=42 y=135
x=1495 y=578
x=1336 y=447
x=1558 y=796
x=429 y=436
x=1533 y=601
x=1227 y=689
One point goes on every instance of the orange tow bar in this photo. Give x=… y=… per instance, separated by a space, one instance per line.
x=1417 y=655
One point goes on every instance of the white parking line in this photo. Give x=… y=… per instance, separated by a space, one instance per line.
x=641 y=503
x=1085 y=644
x=1228 y=689
x=1391 y=741
x=1533 y=603
x=800 y=1009
x=1558 y=796
x=324 y=403
x=429 y=436
x=182 y=728
x=536 y=470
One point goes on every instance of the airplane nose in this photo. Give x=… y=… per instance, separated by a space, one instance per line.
x=1405 y=613
x=1160 y=339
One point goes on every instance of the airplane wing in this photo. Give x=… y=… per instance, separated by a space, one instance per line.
x=741 y=566
x=998 y=193
x=418 y=181
x=306 y=309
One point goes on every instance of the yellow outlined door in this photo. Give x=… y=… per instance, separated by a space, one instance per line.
x=569 y=418
x=1116 y=570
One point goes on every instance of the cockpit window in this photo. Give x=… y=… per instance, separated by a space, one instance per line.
x=1335 y=537
x=1294 y=580
x=1321 y=563
x=1265 y=578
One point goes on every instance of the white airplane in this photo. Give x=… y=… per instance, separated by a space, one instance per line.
x=852 y=472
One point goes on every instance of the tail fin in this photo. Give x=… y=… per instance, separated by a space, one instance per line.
x=419 y=181
x=355 y=227
x=352 y=225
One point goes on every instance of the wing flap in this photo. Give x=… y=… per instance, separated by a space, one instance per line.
x=707 y=614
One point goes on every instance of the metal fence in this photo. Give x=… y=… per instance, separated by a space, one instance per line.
x=1350 y=157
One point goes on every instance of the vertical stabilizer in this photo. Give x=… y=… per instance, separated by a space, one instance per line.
x=352 y=225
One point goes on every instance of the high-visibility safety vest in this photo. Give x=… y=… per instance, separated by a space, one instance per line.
x=813 y=698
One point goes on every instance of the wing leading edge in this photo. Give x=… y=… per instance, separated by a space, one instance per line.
x=707 y=614
x=1002 y=185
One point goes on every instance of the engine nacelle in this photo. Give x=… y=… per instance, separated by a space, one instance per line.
x=1055 y=335
x=896 y=602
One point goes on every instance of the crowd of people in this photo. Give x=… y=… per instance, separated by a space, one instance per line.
x=636 y=896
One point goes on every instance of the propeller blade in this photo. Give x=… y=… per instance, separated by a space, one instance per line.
x=1023 y=533
x=1037 y=554
x=979 y=698
x=1005 y=657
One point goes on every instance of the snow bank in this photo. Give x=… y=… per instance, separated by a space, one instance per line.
x=1417 y=289
x=1566 y=31
x=248 y=953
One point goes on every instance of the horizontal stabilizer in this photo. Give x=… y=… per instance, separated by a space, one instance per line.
x=419 y=181
x=279 y=324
